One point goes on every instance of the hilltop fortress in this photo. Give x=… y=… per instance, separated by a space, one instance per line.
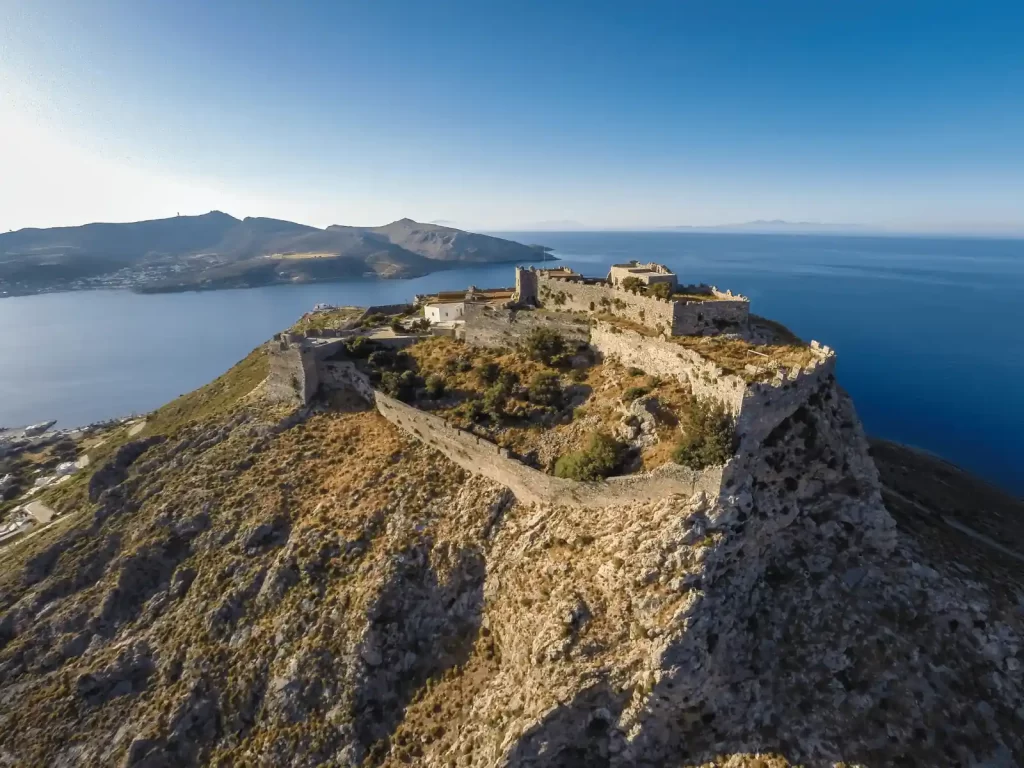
x=697 y=334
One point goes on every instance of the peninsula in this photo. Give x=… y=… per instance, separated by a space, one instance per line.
x=570 y=521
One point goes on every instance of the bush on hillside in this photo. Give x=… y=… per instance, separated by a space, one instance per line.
x=709 y=439
x=399 y=385
x=545 y=389
x=489 y=372
x=545 y=345
x=599 y=459
x=382 y=359
x=435 y=386
x=359 y=347
x=633 y=393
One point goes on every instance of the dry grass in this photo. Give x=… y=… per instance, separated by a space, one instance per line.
x=594 y=401
x=337 y=318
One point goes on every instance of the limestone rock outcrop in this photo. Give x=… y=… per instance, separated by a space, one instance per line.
x=329 y=590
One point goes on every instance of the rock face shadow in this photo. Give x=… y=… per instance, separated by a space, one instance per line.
x=580 y=734
x=421 y=625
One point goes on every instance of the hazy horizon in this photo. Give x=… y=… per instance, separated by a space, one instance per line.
x=507 y=118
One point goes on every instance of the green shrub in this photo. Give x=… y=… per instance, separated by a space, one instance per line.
x=709 y=439
x=494 y=401
x=545 y=389
x=400 y=385
x=635 y=371
x=382 y=359
x=359 y=347
x=659 y=290
x=436 y=386
x=579 y=375
x=579 y=413
x=633 y=393
x=632 y=284
x=489 y=372
x=599 y=459
x=545 y=345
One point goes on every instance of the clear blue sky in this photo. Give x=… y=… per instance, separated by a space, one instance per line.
x=498 y=115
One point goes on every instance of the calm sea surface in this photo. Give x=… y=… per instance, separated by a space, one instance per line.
x=928 y=331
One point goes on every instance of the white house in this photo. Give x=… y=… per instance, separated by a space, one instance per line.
x=444 y=313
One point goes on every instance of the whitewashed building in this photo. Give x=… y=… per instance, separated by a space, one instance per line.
x=444 y=313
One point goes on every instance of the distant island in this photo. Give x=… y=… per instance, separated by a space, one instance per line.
x=216 y=250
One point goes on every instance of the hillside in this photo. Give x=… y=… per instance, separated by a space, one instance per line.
x=216 y=250
x=243 y=583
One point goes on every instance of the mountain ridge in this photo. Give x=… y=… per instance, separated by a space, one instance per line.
x=217 y=250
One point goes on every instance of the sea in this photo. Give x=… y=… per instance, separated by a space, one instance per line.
x=928 y=331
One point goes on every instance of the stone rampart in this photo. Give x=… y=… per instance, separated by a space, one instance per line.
x=677 y=316
x=489 y=326
x=766 y=404
x=291 y=371
x=480 y=456
x=657 y=356
x=758 y=407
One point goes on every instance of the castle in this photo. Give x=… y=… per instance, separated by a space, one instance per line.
x=640 y=331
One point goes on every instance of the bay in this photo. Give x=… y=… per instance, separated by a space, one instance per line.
x=927 y=330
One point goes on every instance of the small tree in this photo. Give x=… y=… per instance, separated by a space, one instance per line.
x=495 y=399
x=382 y=359
x=359 y=347
x=659 y=290
x=489 y=372
x=400 y=385
x=710 y=437
x=600 y=458
x=545 y=345
x=632 y=284
x=435 y=386
x=545 y=389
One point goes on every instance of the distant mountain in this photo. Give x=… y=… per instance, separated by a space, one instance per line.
x=217 y=250
x=779 y=226
x=439 y=243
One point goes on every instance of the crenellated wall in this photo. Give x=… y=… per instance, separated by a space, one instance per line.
x=758 y=407
x=677 y=316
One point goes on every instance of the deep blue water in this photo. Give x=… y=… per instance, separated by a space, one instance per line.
x=927 y=331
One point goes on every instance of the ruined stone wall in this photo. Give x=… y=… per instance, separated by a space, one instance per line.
x=766 y=404
x=480 y=456
x=489 y=326
x=707 y=318
x=657 y=356
x=526 y=287
x=678 y=317
x=757 y=407
x=292 y=371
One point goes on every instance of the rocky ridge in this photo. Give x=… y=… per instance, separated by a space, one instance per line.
x=260 y=587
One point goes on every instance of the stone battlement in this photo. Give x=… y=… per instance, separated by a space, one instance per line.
x=758 y=407
x=676 y=316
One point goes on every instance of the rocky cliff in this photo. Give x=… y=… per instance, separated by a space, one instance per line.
x=248 y=585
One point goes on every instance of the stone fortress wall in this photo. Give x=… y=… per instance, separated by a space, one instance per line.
x=482 y=457
x=300 y=363
x=758 y=407
x=489 y=326
x=561 y=289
